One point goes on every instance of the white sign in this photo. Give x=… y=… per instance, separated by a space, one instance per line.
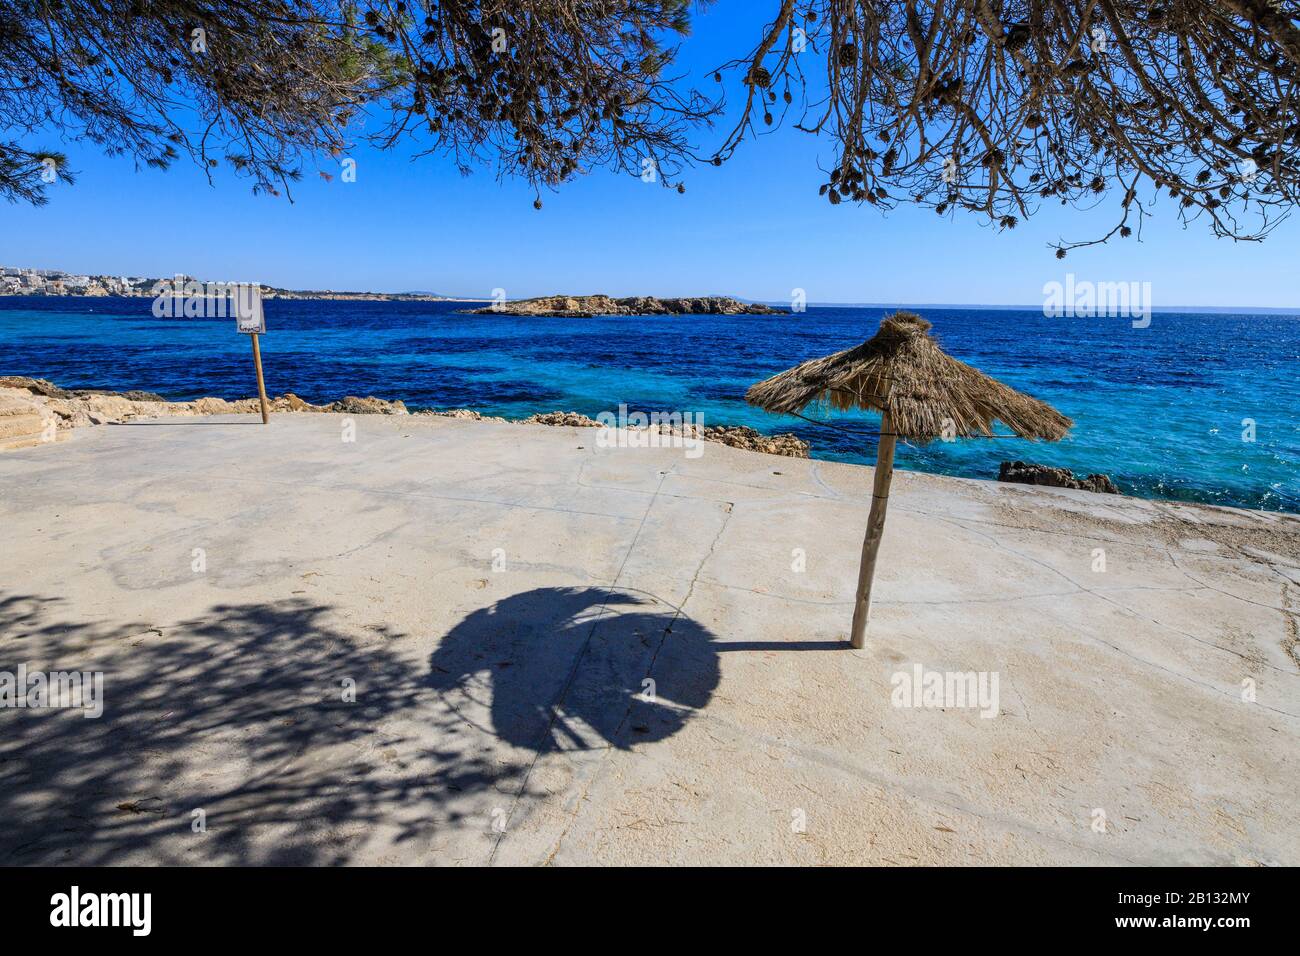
x=247 y=301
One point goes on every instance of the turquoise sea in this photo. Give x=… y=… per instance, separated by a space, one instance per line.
x=1165 y=410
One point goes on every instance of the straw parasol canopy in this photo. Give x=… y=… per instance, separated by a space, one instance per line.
x=926 y=392
x=921 y=393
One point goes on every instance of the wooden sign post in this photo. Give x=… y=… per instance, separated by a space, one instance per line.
x=250 y=320
x=261 y=384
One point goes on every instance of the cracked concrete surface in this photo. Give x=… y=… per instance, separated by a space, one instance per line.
x=568 y=654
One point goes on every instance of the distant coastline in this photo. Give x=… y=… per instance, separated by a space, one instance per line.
x=17 y=281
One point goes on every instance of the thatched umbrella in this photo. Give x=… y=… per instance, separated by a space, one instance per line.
x=921 y=393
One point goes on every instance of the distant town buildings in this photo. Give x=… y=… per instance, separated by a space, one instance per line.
x=18 y=281
x=22 y=281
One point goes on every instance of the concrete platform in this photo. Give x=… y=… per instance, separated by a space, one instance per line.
x=499 y=595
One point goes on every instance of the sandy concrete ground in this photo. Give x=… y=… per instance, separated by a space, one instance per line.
x=500 y=595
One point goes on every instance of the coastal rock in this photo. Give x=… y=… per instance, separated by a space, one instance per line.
x=141 y=396
x=370 y=405
x=589 y=306
x=466 y=413
x=569 y=419
x=70 y=412
x=742 y=436
x=103 y=408
x=1027 y=473
x=213 y=406
x=288 y=402
x=37 y=386
x=736 y=436
x=293 y=403
x=22 y=422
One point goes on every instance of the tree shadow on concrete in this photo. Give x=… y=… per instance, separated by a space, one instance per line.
x=576 y=669
x=240 y=713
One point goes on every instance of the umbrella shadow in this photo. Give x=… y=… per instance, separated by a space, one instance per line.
x=238 y=718
x=576 y=669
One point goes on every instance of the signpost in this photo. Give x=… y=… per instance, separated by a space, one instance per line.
x=249 y=320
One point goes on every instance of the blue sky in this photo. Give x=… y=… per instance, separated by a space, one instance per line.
x=753 y=228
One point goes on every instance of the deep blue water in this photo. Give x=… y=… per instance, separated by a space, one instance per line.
x=1159 y=409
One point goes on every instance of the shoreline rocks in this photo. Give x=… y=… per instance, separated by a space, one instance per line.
x=1028 y=473
x=22 y=424
x=786 y=444
x=590 y=306
x=562 y=420
x=467 y=413
x=32 y=409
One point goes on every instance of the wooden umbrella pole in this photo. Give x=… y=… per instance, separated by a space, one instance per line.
x=875 y=528
x=261 y=384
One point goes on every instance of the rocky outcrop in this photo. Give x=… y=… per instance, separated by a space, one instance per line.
x=351 y=405
x=563 y=419
x=37 y=386
x=589 y=306
x=75 y=408
x=466 y=413
x=741 y=436
x=1027 y=473
x=23 y=423
x=736 y=436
